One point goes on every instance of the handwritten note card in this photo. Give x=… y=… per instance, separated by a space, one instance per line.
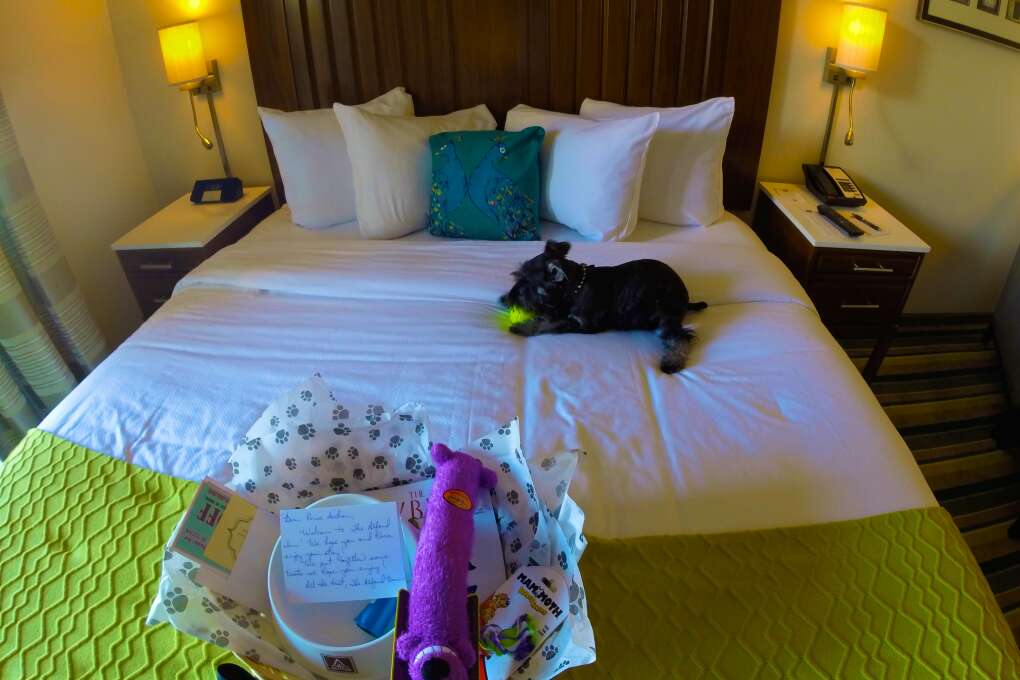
x=341 y=554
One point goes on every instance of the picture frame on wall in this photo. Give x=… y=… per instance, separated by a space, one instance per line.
x=1013 y=11
x=996 y=20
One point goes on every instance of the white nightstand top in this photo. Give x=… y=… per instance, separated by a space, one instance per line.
x=799 y=205
x=183 y=224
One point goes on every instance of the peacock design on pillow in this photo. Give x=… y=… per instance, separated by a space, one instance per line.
x=498 y=197
x=491 y=191
x=448 y=189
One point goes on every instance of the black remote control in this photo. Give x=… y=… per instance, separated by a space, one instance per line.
x=842 y=223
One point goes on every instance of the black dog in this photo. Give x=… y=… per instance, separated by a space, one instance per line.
x=570 y=297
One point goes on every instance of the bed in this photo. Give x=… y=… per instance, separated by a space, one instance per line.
x=722 y=447
x=755 y=515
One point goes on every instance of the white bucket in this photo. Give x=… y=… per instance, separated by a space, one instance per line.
x=324 y=636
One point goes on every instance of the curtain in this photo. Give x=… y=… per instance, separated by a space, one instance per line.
x=48 y=340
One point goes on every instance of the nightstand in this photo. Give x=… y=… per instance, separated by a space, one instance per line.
x=859 y=285
x=158 y=252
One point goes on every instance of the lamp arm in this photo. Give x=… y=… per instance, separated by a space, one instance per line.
x=218 y=134
x=206 y=142
x=832 y=119
x=849 y=139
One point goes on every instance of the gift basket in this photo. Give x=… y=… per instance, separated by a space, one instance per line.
x=307 y=448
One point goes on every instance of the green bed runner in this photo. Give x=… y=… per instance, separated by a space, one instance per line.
x=897 y=595
x=81 y=544
x=890 y=596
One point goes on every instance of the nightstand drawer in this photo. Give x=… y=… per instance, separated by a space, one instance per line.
x=841 y=302
x=167 y=262
x=867 y=263
x=152 y=291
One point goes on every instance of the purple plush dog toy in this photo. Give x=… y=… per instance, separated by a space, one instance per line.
x=436 y=644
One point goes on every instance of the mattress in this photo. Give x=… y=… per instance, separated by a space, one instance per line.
x=769 y=426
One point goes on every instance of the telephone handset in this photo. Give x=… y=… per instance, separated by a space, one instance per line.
x=832 y=185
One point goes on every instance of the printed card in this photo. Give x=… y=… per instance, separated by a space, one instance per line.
x=215 y=527
x=341 y=554
x=231 y=540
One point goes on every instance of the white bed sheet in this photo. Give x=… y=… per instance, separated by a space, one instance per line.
x=728 y=230
x=770 y=424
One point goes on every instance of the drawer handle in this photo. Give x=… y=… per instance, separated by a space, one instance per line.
x=159 y=301
x=847 y=305
x=879 y=269
x=156 y=267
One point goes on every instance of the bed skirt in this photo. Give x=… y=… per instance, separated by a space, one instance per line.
x=897 y=595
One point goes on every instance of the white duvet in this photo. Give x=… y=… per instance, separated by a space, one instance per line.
x=770 y=424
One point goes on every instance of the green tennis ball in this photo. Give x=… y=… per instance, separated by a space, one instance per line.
x=512 y=315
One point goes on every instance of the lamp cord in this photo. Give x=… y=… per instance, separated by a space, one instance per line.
x=206 y=142
x=849 y=140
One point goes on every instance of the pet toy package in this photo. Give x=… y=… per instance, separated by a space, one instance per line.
x=307 y=446
x=519 y=617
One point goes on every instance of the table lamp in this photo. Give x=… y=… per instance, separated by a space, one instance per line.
x=861 y=32
x=186 y=67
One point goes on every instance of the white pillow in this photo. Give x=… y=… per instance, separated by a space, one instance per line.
x=591 y=171
x=393 y=166
x=683 y=181
x=312 y=156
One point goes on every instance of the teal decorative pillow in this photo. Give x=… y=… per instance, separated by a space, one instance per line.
x=485 y=185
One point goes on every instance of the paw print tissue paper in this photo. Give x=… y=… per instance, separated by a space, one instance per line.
x=307 y=445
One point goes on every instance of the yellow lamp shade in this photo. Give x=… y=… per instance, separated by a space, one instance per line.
x=860 y=38
x=183 y=57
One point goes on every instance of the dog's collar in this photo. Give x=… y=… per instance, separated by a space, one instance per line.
x=580 y=284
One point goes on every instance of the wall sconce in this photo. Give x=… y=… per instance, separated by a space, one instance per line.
x=186 y=67
x=861 y=32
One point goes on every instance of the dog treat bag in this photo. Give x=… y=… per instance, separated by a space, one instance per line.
x=519 y=617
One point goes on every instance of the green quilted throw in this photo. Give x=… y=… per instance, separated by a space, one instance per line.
x=81 y=542
x=891 y=596
x=485 y=185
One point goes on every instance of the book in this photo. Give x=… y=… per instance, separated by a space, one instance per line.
x=486 y=570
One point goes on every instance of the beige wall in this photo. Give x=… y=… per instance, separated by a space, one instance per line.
x=61 y=81
x=161 y=112
x=938 y=141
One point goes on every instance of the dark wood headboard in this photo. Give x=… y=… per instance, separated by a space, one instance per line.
x=453 y=54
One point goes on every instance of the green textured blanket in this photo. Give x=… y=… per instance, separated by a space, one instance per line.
x=890 y=596
x=81 y=541
x=897 y=595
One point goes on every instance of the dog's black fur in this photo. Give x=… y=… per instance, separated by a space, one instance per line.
x=569 y=297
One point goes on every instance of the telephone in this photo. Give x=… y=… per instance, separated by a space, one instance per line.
x=832 y=185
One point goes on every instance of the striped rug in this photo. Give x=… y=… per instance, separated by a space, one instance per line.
x=942 y=386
